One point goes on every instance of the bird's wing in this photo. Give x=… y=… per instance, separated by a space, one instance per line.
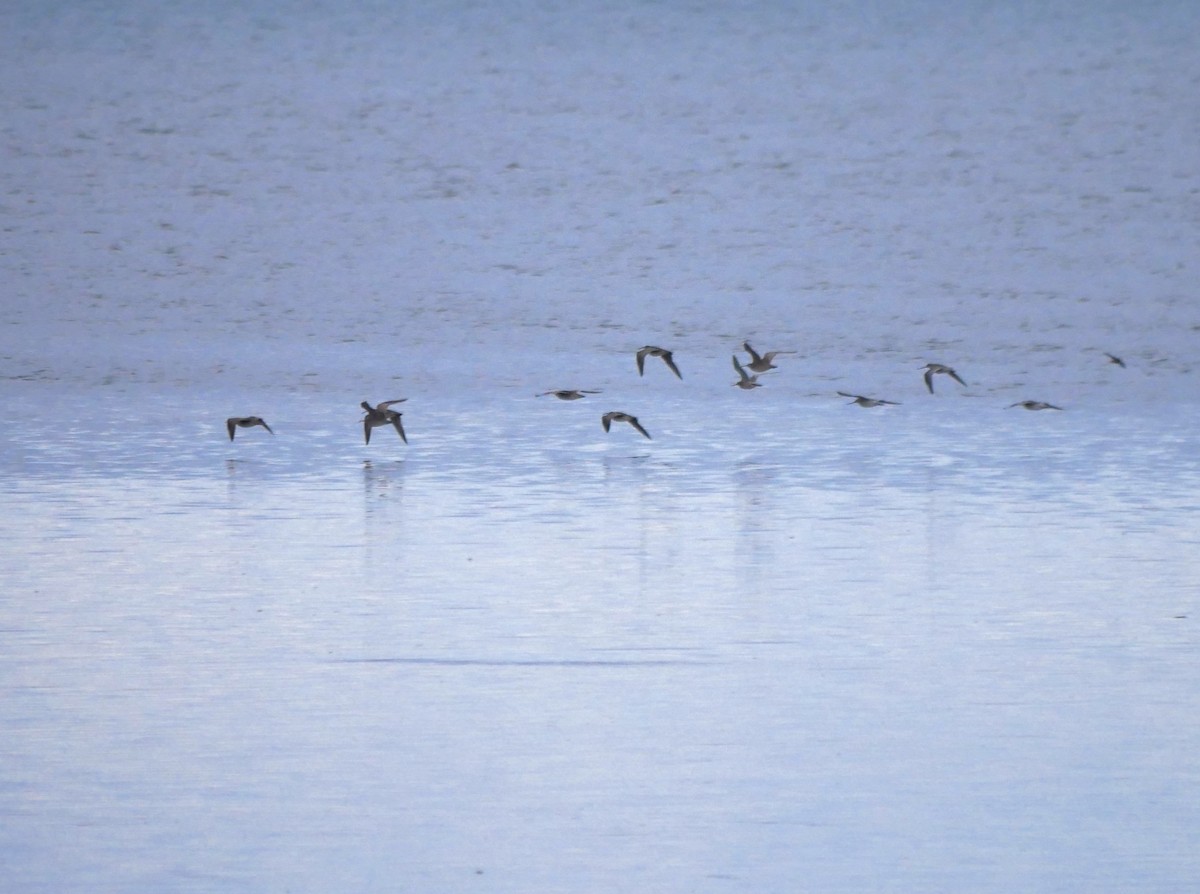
x=231 y=426
x=669 y=360
x=633 y=421
x=606 y=420
x=264 y=425
x=955 y=377
x=929 y=379
x=754 y=358
x=399 y=428
x=383 y=405
x=367 y=429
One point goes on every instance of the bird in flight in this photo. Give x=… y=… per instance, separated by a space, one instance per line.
x=869 y=401
x=1034 y=405
x=651 y=351
x=236 y=422
x=760 y=363
x=609 y=418
x=933 y=369
x=569 y=393
x=745 y=381
x=381 y=415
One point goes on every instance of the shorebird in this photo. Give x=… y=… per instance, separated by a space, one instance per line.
x=1113 y=358
x=237 y=422
x=609 y=418
x=760 y=363
x=1034 y=405
x=869 y=401
x=744 y=381
x=933 y=369
x=381 y=415
x=667 y=357
x=568 y=393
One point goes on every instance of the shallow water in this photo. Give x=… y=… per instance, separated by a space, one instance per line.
x=787 y=643
x=878 y=651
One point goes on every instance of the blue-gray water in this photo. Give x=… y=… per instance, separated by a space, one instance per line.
x=787 y=643
x=872 y=650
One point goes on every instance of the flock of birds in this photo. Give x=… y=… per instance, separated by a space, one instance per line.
x=382 y=413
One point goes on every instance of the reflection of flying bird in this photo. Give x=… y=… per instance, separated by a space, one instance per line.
x=1034 y=405
x=569 y=393
x=745 y=382
x=609 y=418
x=237 y=422
x=869 y=401
x=651 y=351
x=760 y=363
x=381 y=415
x=933 y=369
x=1113 y=358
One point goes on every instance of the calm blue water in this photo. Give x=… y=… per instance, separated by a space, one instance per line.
x=910 y=650
x=788 y=643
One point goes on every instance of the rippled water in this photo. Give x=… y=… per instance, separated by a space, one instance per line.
x=913 y=649
x=787 y=643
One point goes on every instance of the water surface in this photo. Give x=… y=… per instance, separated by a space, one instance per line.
x=787 y=643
